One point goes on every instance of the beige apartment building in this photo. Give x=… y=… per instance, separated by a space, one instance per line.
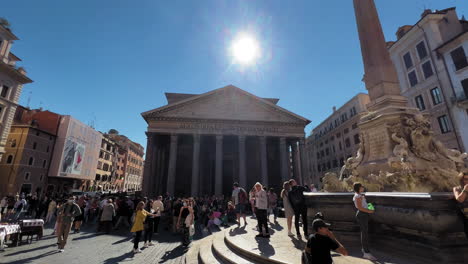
x=431 y=64
x=12 y=79
x=335 y=139
x=131 y=162
x=30 y=144
x=105 y=169
x=120 y=167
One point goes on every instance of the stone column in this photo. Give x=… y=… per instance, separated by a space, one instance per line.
x=242 y=175
x=283 y=159
x=264 y=160
x=196 y=165
x=304 y=161
x=219 y=165
x=147 y=172
x=155 y=175
x=172 y=165
x=296 y=161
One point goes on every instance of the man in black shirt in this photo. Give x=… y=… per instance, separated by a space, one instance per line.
x=319 y=244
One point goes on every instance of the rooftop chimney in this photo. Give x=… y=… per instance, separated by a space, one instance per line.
x=334 y=109
x=426 y=12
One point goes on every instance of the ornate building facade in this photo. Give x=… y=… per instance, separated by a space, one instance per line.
x=432 y=66
x=199 y=144
x=12 y=79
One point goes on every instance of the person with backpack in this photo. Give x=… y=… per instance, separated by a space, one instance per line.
x=296 y=197
x=239 y=198
x=123 y=212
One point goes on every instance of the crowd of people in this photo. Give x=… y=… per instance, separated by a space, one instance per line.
x=184 y=216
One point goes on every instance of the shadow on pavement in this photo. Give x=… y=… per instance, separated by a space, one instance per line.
x=276 y=226
x=29 y=250
x=173 y=254
x=237 y=231
x=88 y=236
x=119 y=258
x=32 y=259
x=123 y=240
x=298 y=243
x=264 y=247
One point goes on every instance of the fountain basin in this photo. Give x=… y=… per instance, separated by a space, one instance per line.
x=426 y=224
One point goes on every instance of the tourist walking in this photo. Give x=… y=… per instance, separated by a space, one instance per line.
x=65 y=216
x=124 y=212
x=108 y=213
x=272 y=204
x=20 y=205
x=319 y=244
x=51 y=210
x=362 y=216
x=261 y=206
x=175 y=214
x=288 y=210
x=158 y=208
x=79 y=219
x=149 y=225
x=138 y=224
x=296 y=197
x=239 y=198
x=252 y=200
x=461 y=195
x=186 y=217
x=3 y=205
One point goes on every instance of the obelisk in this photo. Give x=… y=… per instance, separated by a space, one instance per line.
x=380 y=75
x=387 y=107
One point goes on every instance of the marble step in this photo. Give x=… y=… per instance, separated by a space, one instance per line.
x=191 y=257
x=223 y=252
x=205 y=253
x=243 y=247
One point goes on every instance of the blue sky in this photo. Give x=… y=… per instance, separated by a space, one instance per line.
x=106 y=61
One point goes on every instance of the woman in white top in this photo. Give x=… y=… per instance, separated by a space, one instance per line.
x=362 y=216
x=288 y=210
x=261 y=206
x=252 y=200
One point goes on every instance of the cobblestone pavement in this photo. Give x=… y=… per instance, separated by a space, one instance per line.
x=89 y=247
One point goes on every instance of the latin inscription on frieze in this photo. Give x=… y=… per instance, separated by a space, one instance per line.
x=227 y=127
x=377 y=143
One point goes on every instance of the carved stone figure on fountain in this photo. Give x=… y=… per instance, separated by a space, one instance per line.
x=400 y=153
x=352 y=163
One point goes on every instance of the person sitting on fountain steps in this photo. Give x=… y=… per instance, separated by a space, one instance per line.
x=461 y=195
x=362 y=216
x=319 y=244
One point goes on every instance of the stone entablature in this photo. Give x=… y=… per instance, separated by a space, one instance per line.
x=224 y=127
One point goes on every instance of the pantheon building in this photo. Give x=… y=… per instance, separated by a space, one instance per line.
x=200 y=144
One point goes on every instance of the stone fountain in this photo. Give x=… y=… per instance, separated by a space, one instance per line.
x=398 y=157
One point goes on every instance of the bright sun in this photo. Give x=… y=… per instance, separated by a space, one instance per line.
x=245 y=49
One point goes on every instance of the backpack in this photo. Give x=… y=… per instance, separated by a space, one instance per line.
x=242 y=196
x=296 y=196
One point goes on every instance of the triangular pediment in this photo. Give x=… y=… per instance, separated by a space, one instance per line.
x=227 y=103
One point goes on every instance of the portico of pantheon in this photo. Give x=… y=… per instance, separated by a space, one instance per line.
x=200 y=144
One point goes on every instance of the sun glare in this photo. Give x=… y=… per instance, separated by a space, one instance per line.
x=245 y=49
